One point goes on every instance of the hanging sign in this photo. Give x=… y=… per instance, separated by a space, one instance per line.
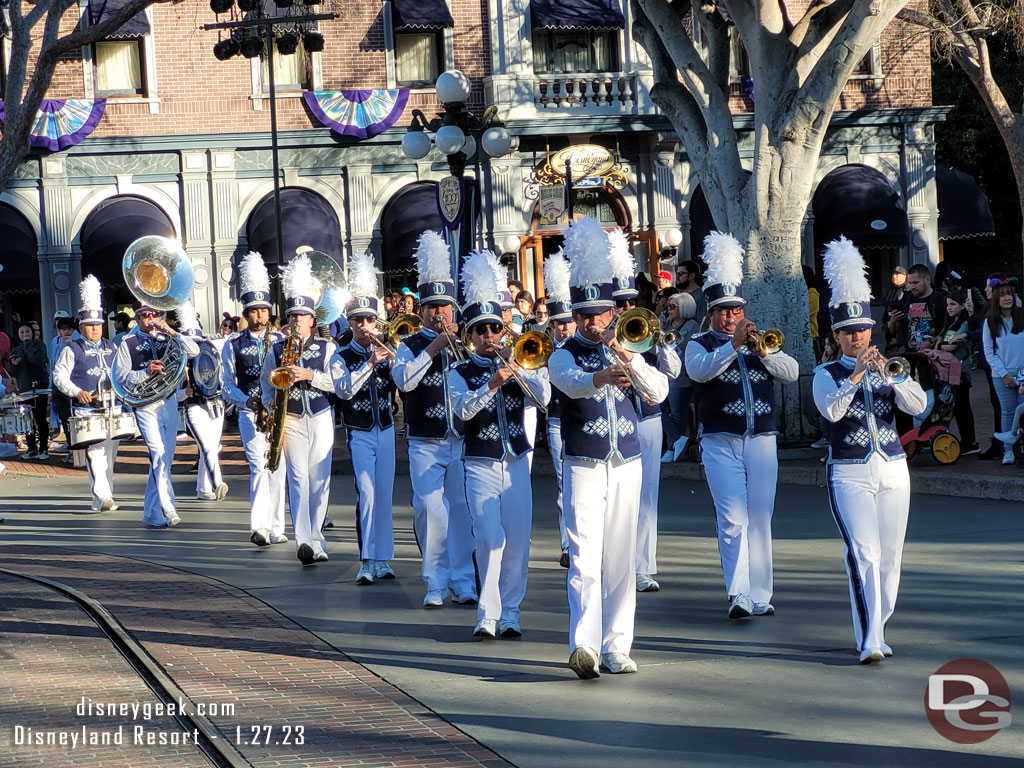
x=552 y=203
x=584 y=160
x=449 y=201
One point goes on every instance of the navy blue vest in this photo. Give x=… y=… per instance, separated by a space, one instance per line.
x=644 y=409
x=498 y=428
x=248 y=352
x=739 y=401
x=869 y=423
x=428 y=411
x=145 y=348
x=605 y=424
x=92 y=364
x=371 y=406
x=316 y=356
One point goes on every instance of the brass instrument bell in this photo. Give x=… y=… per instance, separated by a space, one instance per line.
x=637 y=330
x=532 y=350
x=403 y=325
x=768 y=342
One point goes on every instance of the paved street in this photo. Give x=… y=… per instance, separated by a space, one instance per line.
x=768 y=691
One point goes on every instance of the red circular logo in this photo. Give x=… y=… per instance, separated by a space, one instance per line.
x=967 y=701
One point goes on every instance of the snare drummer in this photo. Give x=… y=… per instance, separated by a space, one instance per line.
x=82 y=372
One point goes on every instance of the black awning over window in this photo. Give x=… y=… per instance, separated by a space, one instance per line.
x=421 y=14
x=306 y=219
x=407 y=215
x=963 y=208
x=19 y=263
x=577 y=14
x=859 y=202
x=136 y=26
x=112 y=226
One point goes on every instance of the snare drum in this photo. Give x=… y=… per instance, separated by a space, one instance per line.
x=86 y=428
x=15 y=419
x=122 y=427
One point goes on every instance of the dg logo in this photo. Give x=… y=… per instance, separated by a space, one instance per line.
x=437 y=288
x=854 y=310
x=364 y=303
x=259 y=296
x=487 y=308
x=593 y=293
x=728 y=290
x=622 y=282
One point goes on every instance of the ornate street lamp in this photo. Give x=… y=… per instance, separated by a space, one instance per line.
x=672 y=239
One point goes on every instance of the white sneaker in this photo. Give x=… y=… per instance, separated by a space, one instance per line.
x=319 y=556
x=886 y=650
x=1006 y=438
x=763 y=609
x=742 y=606
x=1008 y=457
x=381 y=570
x=584 y=662
x=221 y=492
x=365 y=575
x=644 y=583
x=463 y=598
x=434 y=598
x=173 y=519
x=668 y=456
x=871 y=655
x=617 y=663
x=278 y=538
x=206 y=496
x=486 y=629
x=261 y=537
x=680 y=447
x=108 y=505
x=509 y=628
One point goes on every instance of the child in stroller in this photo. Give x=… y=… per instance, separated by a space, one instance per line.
x=932 y=429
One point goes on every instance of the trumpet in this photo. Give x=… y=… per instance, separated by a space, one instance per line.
x=765 y=342
x=892 y=370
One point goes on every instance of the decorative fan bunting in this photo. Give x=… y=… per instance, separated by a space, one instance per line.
x=360 y=114
x=63 y=123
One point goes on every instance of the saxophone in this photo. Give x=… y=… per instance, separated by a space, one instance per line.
x=282 y=379
x=262 y=414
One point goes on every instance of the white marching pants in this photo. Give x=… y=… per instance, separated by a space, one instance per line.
x=308 y=447
x=99 y=460
x=530 y=427
x=501 y=502
x=373 y=462
x=647 y=522
x=441 y=520
x=266 y=488
x=158 y=423
x=205 y=424
x=742 y=474
x=870 y=503
x=554 y=429
x=601 y=505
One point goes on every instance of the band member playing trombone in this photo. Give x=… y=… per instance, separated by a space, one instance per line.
x=82 y=372
x=489 y=391
x=308 y=422
x=737 y=419
x=868 y=482
x=441 y=519
x=241 y=363
x=362 y=375
x=601 y=474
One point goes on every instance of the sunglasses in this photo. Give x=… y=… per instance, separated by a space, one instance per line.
x=483 y=328
x=625 y=304
x=149 y=315
x=731 y=311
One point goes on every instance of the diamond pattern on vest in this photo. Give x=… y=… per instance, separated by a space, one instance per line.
x=735 y=408
x=252 y=349
x=730 y=376
x=856 y=409
x=435 y=379
x=361 y=405
x=598 y=426
x=436 y=411
x=252 y=371
x=882 y=407
x=490 y=432
x=859 y=437
x=625 y=426
x=515 y=430
x=761 y=408
x=312 y=353
x=887 y=436
x=591 y=361
x=757 y=375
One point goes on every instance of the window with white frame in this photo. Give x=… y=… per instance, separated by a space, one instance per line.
x=119 y=62
x=291 y=71
x=557 y=51
x=419 y=56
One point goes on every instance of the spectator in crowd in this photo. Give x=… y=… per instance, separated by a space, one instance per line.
x=646 y=291
x=688 y=281
x=122 y=324
x=1003 y=340
x=922 y=310
x=5 y=350
x=523 y=313
x=229 y=324
x=67 y=333
x=682 y=310
x=814 y=304
x=664 y=280
x=955 y=339
x=661 y=306
x=37 y=332
x=895 y=340
x=514 y=287
x=539 y=321
x=979 y=316
x=30 y=371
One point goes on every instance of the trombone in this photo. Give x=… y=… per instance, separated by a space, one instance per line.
x=636 y=331
x=531 y=350
x=403 y=325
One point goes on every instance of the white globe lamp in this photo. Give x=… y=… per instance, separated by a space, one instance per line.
x=453 y=87
x=449 y=139
x=673 y=238
x=416 y=144
x=496 y=141
x=510 y=244
x=469 y=147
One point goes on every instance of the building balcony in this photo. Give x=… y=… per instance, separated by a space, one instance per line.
x=525 y=96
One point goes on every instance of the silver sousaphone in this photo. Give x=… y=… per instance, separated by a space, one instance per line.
x=159 y=273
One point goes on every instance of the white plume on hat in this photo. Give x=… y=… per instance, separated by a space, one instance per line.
x=188 y=318
x=724 y=256
x=480 y=277
x=587 y=247
x=433 y=261
x=90 y=294
x=362 y=276
x=252 y=274
x=298 y=277
x=622 y=260
x=846 y=273
x=556 y=277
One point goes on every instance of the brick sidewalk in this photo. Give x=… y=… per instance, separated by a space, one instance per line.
x=53 y=655
x=221 y=645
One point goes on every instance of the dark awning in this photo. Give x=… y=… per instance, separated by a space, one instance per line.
x=577 y=14
x=963 y=208
x=136 y=26
x=859 y=202
x=306 y=219
x=114 y=225
x=420 y=14
x=19 y=263
x=412 y=210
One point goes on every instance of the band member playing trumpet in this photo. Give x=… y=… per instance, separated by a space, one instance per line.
x=139 y=357
x=308 y=435
x=420 y=370
x=737 y=419
x=489 y=391
x=601 y=473
x=362 y=376
x=241 y=364
x=868 y=482
x=82 y=373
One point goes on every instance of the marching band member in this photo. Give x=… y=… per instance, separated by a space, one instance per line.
x=512 y=319
x=362 y=379
x=738 y=427
x=138 y=357
x=868 y=482
x=490 y=401
x=204 y=416
x=441 y=519
x=667 y=363
x=563 y=327
x=601 y=473
x=309 y=426
x=82 y=373
x=241 y=365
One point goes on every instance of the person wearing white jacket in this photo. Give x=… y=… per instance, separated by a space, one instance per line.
x=1002 y=338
